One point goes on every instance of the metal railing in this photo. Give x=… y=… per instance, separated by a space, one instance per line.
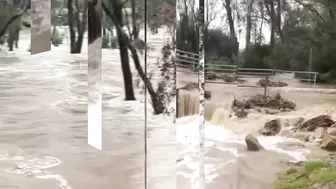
x=187 y=62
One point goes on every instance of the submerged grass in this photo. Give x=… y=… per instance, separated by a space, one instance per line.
x=312 y=173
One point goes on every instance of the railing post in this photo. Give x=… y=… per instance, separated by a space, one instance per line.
x=309 y=77
x=315 y=74
x=235 y=72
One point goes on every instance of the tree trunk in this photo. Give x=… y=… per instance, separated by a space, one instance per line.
x=76 y=39
x=261 y=6
x=231 y=25
x=135 y=31
x=94 y=21
x=249 y=23
x=230 y=18
x=158 y=105
x=273 y=24
x=71 y=26
x=123 y=50
x=278 y=25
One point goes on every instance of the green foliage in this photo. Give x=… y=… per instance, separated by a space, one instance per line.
x=257 y=56
x=218 y=44
x=302 y=177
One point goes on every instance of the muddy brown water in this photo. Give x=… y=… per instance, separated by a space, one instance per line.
x=43 y=138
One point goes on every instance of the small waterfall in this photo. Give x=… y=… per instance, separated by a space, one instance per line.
x=187 y=103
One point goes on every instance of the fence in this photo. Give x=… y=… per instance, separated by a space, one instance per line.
x=187 y=62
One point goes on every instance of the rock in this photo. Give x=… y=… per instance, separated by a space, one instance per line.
x=207 y=94
x=266 y=82
x=210 y=76
x=241 y=113
x=271 y=128
x=331 y=131
x=228 y=78
x=329 y=143
x=253 y=143
x=319 y=121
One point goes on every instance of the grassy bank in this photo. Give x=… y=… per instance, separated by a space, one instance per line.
x=314 y=174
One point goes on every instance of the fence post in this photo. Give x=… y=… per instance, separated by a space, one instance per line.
x=315 y=74
x=309 y=78
x=235 y=72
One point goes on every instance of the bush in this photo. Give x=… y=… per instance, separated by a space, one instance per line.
x=257 y=56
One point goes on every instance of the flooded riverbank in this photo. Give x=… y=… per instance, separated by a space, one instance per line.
x=43 y=138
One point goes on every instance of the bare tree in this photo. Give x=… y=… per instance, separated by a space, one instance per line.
x=157 y=104
x=249 y=23
x=227 y=5
x=77 y=25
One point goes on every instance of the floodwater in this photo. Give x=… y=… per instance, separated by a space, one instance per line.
x=227 y=162
x=43 y=131
x=43 y=124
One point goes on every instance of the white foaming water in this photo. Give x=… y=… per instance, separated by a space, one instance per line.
x=34 y=167
x=187 y=135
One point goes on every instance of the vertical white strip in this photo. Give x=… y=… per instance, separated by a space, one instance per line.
x=41 y=26
x=201 y=97
x=95 y=138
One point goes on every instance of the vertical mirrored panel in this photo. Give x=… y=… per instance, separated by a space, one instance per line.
x=221 y=144
x=123 y=93
x=188 y=95
x=40 y=26
x=95 y=74
x=158 y=54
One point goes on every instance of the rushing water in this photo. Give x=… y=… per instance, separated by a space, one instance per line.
x=43 y=132
x=43 y=138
